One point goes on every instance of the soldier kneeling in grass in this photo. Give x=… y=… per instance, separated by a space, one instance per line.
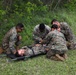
x=56 y=44
x=68 y=34
x=11 y=40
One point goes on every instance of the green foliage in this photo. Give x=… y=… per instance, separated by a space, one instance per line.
x=30 y=7
x=70 y=5
x=31 y=20
x=2 y=14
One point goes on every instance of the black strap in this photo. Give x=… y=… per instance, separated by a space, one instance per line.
x=31 y=49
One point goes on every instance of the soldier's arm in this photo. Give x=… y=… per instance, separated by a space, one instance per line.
x=36 y=36
x=66 y=29
x=18 y=42
x=48 y=28
x=12 y=44
x=47 y=39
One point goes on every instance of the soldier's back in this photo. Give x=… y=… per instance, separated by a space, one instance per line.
x=57 y=40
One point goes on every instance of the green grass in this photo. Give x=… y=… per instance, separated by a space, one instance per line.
x=38 y=65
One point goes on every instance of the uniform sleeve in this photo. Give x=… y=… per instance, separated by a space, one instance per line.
x=66 y=29
x=35 y=35
x=12 y=40
x=36 y=38
x=48 y=28
x=18 y=41
x=48 y=38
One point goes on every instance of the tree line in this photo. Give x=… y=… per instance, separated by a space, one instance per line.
x=51 y=4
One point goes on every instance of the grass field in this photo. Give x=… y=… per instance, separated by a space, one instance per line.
x=39 y=65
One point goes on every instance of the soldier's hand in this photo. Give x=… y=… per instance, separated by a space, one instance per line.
x=59 y=29
x=37 y=45
x=47 y=49
x=20 y=37
x=41 y=41
x=14 y=52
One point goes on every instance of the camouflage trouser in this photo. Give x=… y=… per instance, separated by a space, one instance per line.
x=75 y=46
x=71 y=45
x=5 y=47
x=6 y=50
x=52 y=52
x=34 y=51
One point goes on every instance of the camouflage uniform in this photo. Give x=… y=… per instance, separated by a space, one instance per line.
x=10 y=40
x=56 y=43
x=66 y=30
x=35 y=50
x=29 y=52
x=37 y=35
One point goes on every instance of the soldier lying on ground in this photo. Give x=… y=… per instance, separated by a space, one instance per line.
x=56 y=44
x=38 y=49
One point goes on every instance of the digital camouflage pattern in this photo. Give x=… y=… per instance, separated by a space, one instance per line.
x=10 y=40
x=37 y=35
x=55 y=41
x=35 y=50
x=66 y=30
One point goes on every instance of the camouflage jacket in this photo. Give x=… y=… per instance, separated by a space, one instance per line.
x=37 y=35
x=55 y=40
x=66 y=30
x=9 y=40
x=35 y=50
